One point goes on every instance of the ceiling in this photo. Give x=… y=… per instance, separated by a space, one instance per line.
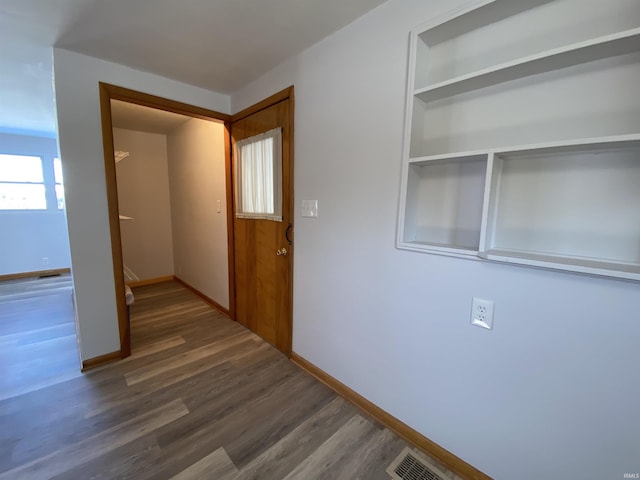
x=219 y=45
x=144 y=119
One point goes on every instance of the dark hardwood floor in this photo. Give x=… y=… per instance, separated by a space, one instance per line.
x=201 y=397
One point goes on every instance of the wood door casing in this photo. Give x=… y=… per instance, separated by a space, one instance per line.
x=110 y=92
x=263 y=279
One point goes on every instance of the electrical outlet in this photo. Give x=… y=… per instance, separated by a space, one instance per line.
x=482 y=313
x=45 y=260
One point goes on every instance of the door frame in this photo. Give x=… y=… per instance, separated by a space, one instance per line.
x=110 y=92
x=282 y=95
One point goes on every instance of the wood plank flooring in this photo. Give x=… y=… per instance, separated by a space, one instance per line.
x=37 y=335
x=201 y=397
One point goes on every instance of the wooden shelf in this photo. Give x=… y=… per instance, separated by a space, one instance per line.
x=592 y=266
x=544 y=206
x=596 y=49
x=580 y=145
x=453 y=249
x=566 y=196
x=474 y=156
x=119 y=156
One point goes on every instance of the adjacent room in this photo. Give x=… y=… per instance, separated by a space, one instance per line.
x=171 y=185
x=37 y=330
x=364 y=238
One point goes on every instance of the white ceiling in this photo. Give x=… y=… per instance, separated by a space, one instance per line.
x=144 y=119
x=220 y=45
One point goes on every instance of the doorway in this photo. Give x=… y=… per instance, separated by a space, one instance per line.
x=130 y=113
x=260 y=253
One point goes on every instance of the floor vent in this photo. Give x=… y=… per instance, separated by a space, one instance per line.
x=412 y=466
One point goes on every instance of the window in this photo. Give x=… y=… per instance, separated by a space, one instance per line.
x=21 y=183
x=57 y=173
x=258 y=167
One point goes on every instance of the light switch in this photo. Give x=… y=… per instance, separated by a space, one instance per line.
x=218 y=206
x=310 y=208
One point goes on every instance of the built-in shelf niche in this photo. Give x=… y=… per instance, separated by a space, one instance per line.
x=526 y=151
x=572 y=207
x=442 y=210
x=616 y=44
x=594 y=99
x=471 y=44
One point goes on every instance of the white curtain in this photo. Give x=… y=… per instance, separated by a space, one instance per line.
x=258 y=166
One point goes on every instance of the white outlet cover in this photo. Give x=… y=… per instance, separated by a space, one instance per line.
x=310 y=208
x=482 y=313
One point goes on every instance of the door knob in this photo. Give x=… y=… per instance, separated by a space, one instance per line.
x=281 y=251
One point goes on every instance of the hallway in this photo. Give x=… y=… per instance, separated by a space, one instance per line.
x=201 y=397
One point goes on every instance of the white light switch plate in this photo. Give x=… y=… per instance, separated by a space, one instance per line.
x=310 y=208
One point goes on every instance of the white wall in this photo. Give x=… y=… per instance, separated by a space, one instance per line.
x=197 y=182
x=29 y=236
x=80 y=138
x=551 y=392
x=143 y=193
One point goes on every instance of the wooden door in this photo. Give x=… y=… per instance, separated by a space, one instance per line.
x=263 y=249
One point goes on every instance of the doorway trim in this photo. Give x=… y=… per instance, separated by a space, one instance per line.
x=110 y=92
